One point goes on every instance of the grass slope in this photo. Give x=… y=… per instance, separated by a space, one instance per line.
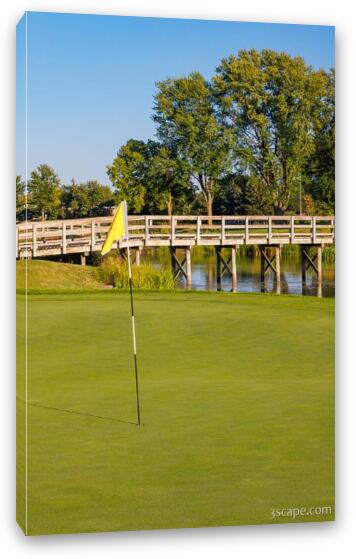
x=43 y=274
x=237 y=403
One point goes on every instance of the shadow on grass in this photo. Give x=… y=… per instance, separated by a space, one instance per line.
x=84 y=414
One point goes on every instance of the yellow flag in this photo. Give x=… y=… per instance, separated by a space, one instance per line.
x=118 y=229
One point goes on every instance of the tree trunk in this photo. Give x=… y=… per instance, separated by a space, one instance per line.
x=281 y=206
x=170 y=204
x=205 y=185
x=209 y=206
x=278 y=210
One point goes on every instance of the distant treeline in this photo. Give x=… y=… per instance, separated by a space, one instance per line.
x=259 y=138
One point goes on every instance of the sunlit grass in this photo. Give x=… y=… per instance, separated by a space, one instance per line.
x=237 y=401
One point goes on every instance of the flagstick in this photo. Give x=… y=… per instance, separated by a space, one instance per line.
x=133 y=334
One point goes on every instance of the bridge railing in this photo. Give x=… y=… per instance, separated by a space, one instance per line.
x=36 y=238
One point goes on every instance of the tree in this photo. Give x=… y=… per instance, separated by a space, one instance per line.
x=150 y=178
x=126 y=174
x=87 y=199
x=320 y=170
x=189 y=128
x=269 y=100
x=20 y=198
x=167 y=180
x=45 y=192
x=231 y=199
x=238 y=195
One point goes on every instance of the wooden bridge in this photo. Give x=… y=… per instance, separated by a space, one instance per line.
x=40 y=239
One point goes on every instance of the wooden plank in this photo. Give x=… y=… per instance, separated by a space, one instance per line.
x=34 y=241
x=147 y=234
x=17 y=242
x=93 y=235
x=314 y=229
x=64 y=238
x=173 y=225
x=270 y=234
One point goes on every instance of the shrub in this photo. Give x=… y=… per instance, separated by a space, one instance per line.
x=114 y=271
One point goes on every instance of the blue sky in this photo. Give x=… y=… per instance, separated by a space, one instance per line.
x=91 y=79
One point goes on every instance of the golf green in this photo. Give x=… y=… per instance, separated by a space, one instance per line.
x=237 y=401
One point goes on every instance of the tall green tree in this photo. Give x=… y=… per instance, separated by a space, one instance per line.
x=320 y=170
x=185 y=113
x=151 y=178
x=45 y=192
x=127 y=174
x=167 y=178
x=20 y=197
x=268 y=99
x=237 y=196
x=87 y=199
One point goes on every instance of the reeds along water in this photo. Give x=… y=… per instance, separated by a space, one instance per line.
x=114 y=271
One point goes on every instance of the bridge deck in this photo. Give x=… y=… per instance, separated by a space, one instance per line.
x=36 y=239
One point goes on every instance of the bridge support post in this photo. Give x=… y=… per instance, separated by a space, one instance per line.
x=233 y=269
x=278 y=269
x=182 y=267
x=122 y=253
x=173 y=261
x=313 y=263
x=263 y=269
x=271 y=261
x=135 y=255
x=188 y=266
x=138 y=256
x=218 y=268
x=319 y=255
x=226 y=266
x=304 y=266
x=210 y=278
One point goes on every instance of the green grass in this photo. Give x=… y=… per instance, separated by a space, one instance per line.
x=53 y=276
x=237 y=397
x=44 y=274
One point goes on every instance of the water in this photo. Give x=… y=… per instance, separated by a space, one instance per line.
x=248 y=274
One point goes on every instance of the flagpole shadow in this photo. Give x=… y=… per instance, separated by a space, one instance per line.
x=84 y=414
